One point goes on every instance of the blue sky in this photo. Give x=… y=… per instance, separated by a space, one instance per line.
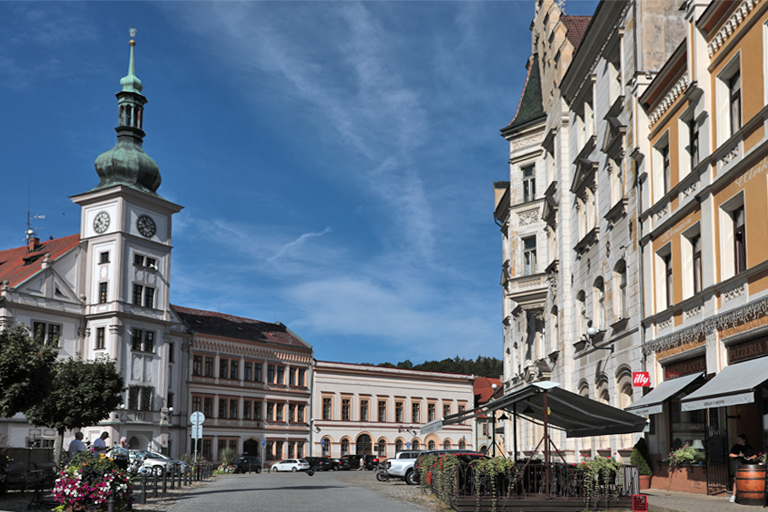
x=335 y=160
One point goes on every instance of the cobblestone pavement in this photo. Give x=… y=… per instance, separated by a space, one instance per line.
x=670 y=501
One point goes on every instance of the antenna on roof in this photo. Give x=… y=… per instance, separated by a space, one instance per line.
x=30 y=232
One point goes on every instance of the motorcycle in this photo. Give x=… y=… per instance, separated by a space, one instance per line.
x=381 y=472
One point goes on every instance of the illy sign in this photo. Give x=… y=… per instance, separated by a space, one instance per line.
x=641 y=379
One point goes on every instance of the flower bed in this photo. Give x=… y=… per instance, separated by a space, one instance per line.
x=89 y=481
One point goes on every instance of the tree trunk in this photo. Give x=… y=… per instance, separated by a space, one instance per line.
x=58 y=448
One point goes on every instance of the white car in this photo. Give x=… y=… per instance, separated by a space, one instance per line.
x=290 y=465
x=156 y=463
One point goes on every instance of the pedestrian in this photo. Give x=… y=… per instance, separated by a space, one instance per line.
x=362 y=464
x=100 y=444
x=741 y=452
x=76 y=446
x=120 y=454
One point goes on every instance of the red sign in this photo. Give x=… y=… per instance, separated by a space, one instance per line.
x=641 y=379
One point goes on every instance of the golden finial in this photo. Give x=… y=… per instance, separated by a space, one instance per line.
x=132 y=32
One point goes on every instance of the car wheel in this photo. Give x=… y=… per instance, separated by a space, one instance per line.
x=410 y=478
x=158 y=470
x=293 y=469
x=258 y=470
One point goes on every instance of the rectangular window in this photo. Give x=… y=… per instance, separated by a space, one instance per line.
x=462 y=408
x=247 y=372
x=197 y=365
x=207 y=449
x=529 y=255
x=171 y=398
x=364 y=410
x=271 y=373
x=196 y=403
x=270 y=450
x=280 y=374
x=149 y=341
x=209 y=367
x=222 y=447
x=104 y=257
x=734 y=101
x=669 y=277
x=446 y=410
x=740 y=240
x=223 y=368
x=529 y=184
x=208 y=407
x=399 y=412
x=327 y=409
x=301 y=380
x=292 y=412
x=382 y=410
x=270 y=409
x=345 y=407
x=257 y=410
x=141 y=398
x=46 y=334
x=233 y=406
x=234 y=368
x=138 y=259
x=102 y=293
x=697 y=268
x=136 y=337
x=430 y=412
x=693 y=142
x=247 y=409
x=416 y=412
x=300 y=414
x=299 y=449
x=222 y=407
x=666 y=168
x=100 y=338
x=171 y=353
x=257 y=372
x=149 y=297
x=290 y=449
x=292 y=377
x=151 y=263
x=623 y=302
x=137 y=292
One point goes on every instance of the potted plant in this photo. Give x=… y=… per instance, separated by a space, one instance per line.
x=641 y=459
x=89 y=481
x=687 y=455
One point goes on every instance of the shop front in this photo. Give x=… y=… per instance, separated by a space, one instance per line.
x=735 y=402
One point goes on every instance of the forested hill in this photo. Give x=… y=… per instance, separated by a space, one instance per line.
x=482 y=366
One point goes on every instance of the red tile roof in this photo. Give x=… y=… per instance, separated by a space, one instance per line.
x=484 y=390
x=577 y=27
x=19 y=264
x=211 y=322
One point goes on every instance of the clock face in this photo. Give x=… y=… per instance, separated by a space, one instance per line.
x=146 y=226
x=101 y=222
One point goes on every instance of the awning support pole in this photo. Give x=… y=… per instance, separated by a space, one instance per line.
x=546 y=442
x=514 y=431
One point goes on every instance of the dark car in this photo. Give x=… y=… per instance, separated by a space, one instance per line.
x=340 y=464
x=464 y=455
x=247 y=464
x=320 y=463
x=370 y=461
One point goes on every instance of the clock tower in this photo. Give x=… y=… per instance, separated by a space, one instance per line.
x=125 y=233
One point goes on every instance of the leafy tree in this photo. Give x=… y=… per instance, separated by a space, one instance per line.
x=482 y=366
x=84 y=393
x=26 y=371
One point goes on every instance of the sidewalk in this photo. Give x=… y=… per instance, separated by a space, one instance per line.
x=670 y=501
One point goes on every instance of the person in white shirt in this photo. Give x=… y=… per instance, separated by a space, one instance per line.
x=100 y=445
x=76 y=446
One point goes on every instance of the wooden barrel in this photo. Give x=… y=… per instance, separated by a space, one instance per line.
x=750 y=485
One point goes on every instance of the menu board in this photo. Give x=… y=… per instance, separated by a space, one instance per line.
x=716 y=451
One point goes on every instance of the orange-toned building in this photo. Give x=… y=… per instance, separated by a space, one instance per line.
x=704 y=241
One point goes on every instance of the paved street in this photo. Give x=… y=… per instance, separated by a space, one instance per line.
x=291 y=492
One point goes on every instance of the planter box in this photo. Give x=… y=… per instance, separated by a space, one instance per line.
x=681 y=479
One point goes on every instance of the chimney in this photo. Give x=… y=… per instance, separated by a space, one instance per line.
x=34 y=243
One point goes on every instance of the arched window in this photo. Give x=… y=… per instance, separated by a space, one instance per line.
x=622 y=304
x=345 y=446
x=462 y=444
x=382 y=448
x=364 y=445
x=431 y=444
x=415 y=444
x=554 y=330
x=326 y=447
x=447 y=444
x=581 y=326
x=599 y=298
x=398 y=446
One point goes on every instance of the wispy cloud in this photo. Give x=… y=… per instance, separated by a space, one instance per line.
x=289 y=247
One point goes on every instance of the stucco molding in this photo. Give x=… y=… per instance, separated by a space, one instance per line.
x=677 y=90
x=730 y=26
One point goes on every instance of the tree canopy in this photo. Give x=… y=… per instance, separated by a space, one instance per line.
x=27 y=370
x=482 y=366
x=85 y=393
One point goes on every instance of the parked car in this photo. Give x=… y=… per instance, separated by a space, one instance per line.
x=247 y=464
x=157 y=463
x=370 y=461
x=320 y=463
x=340 y=464
x=290 y=465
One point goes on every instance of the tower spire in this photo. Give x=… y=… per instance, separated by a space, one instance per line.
x=127 y=163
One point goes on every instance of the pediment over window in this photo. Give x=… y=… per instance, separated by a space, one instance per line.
x=585 y=167
x=614 y=135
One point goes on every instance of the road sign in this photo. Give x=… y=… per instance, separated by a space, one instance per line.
x=408 y=445
x=197 y=418
x=263 y=443
x=322 y=442
x=197 y=431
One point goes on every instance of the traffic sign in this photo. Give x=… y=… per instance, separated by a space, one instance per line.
x=322 y=442
x=197 y=431
x=408 y=445
x=263 y=443
x=197 y=418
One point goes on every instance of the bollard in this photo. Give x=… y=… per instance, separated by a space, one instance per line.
x=111 y=500
x=154 y=487
x=144 y=487
x=173 y=476
x=165 y=482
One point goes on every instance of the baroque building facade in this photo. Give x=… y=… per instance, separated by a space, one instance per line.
x=588 y=152
x=105 y=291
